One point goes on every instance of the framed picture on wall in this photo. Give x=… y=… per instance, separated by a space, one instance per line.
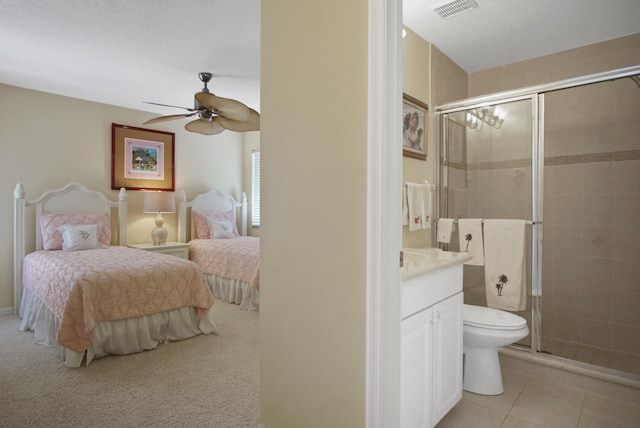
x=414 y=127
x=142 y=159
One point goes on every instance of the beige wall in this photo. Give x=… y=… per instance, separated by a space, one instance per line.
x=416 y=64
x=604 y=56
x=313 y=236
x=416 y=83
x=448 y=80
x=49 y=140
x=433 y=78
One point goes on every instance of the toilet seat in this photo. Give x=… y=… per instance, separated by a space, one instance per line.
x=484 y=317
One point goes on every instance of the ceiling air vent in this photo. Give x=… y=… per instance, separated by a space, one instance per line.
x=448 y=9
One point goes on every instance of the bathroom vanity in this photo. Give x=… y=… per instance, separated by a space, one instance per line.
x=431 y=355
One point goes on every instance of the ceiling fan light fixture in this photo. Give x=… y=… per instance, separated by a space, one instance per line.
x=206 y=115
x=205 y=127
x=215 y=114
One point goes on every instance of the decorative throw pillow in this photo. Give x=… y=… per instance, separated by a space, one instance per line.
x=221 y=228
x=79 y=236
x=50 y=222
x=201 y=218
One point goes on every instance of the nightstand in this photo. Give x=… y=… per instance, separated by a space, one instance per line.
x=178 y=249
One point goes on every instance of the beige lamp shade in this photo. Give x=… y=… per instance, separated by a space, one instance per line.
x=159 y=202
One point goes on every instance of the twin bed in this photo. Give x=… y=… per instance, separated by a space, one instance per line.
x=229 y=260
x=92 y=299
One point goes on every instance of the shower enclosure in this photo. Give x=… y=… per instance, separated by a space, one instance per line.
x=566 y=158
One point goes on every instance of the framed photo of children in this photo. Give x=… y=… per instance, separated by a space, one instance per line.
x=142 y=159
x=414 y=127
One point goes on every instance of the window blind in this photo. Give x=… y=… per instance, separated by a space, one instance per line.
x=255 y=189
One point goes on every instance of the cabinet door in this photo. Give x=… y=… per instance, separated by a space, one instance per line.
x=416 y=370
x=447 y=358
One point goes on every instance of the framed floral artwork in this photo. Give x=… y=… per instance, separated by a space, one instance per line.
x=142 y=159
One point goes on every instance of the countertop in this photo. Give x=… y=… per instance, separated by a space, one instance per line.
x=419 y=261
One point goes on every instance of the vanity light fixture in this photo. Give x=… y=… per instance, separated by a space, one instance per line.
x=477 y=117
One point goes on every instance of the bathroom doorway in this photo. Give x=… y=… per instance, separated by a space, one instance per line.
x=566 y=158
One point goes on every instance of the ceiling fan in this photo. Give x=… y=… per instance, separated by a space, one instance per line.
x=215 y=114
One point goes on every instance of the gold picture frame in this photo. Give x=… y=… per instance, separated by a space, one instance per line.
x=415 y=119
x=142 y=159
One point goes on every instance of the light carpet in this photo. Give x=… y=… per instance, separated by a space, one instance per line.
x=206 y=381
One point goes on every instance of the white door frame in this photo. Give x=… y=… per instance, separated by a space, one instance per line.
x=384 y=230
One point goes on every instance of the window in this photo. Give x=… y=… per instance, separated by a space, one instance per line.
x=255 y=189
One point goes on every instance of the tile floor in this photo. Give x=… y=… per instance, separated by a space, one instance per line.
x=547 y=397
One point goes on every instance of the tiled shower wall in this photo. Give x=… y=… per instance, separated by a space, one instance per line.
x=591 y=259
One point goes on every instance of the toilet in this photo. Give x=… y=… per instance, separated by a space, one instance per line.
x=485 y=330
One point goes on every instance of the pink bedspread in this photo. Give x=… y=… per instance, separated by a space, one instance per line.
x=237 y=258
x=83 y=288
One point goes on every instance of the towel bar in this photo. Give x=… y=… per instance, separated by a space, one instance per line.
x=526 y=221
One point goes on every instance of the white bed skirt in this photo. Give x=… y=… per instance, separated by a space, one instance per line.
x=119 y=337
x=234 y=291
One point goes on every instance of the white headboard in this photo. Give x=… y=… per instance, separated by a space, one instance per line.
x=213 y=200
x=74 y=197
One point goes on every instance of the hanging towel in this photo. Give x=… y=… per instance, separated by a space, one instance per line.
x=427 y=204
x=505 y=267
x=470 y=239
x=405 y=207
x=419 y=206
x=445 y=227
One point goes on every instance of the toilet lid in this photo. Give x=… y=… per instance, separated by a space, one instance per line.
x=481 y=316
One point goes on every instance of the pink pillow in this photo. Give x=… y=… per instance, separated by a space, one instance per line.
x=50 y=222
x=201 y=220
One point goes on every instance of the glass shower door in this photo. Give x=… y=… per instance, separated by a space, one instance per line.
x=486 y=171
x=591 y=262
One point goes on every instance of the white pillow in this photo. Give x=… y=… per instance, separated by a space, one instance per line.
x=79 y=236
x=220 y=228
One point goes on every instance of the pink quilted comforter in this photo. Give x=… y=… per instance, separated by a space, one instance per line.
x=237 y=258
x=84 y=288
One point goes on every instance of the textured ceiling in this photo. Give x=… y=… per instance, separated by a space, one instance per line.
x=500 y=32
x=125 y=52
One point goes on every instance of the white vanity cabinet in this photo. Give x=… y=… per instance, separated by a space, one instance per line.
x=447 y=356
x=416 y=386
x=431 y=355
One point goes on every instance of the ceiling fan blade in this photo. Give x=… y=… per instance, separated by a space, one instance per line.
x=205 y=127
x=168 y=105
x=231 y=109
x=252 y=124
x=171 y=117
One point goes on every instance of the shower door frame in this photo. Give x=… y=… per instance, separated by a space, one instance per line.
x=537 y=96
x=537 y=180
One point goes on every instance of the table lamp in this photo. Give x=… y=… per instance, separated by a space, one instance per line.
x=159 y=202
